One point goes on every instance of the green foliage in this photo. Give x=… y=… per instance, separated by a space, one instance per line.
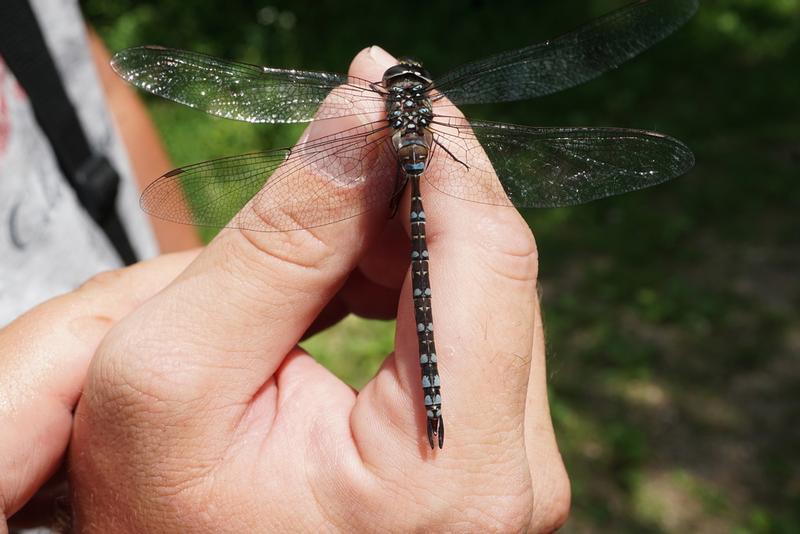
x=671 y=313
x=354 y=349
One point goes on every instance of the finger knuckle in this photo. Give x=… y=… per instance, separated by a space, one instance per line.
x=508 y=246
x=552 y=504
x=510 y=514
x=104 y=281
x=499 y=500
x=301 y=252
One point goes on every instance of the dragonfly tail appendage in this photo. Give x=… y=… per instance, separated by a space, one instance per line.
x=436 y=428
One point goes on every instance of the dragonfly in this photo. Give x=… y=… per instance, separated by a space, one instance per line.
x=410 y=131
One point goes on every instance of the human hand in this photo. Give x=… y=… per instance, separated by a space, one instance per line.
x=200 y=413
x=44 y=355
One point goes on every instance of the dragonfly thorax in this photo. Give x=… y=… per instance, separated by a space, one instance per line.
x=409 y=112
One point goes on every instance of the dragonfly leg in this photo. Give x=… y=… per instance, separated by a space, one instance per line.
x=378 y=88
x=394 y=203
x=450 y=153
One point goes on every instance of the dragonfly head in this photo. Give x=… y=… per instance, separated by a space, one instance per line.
x=406 y=68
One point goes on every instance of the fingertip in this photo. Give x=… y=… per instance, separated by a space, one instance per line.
x=381 y=56
x=371 y=62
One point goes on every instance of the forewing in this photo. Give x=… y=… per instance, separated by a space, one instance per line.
x=334 y=178
x=568 y=60
x=549 y=167
x=241 y=91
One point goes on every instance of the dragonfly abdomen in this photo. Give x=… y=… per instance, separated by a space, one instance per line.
x=423 y=314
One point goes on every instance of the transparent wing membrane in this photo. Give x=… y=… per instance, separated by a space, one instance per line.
x=241 y=91
x=569 y=60
x=550 y=167
x=334 y=178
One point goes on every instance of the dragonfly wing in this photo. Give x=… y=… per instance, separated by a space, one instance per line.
x=550 y=167
x=569 y=60
x=241 y=91
x=315 y=183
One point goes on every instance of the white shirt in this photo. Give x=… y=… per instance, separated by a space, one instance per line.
x=48 y=243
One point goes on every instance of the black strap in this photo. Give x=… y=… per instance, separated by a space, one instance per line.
x=91 y=175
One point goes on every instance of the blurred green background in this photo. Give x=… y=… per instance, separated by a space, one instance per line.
x=672 y=313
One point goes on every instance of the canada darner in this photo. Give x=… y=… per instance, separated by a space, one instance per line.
x=368 y=166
